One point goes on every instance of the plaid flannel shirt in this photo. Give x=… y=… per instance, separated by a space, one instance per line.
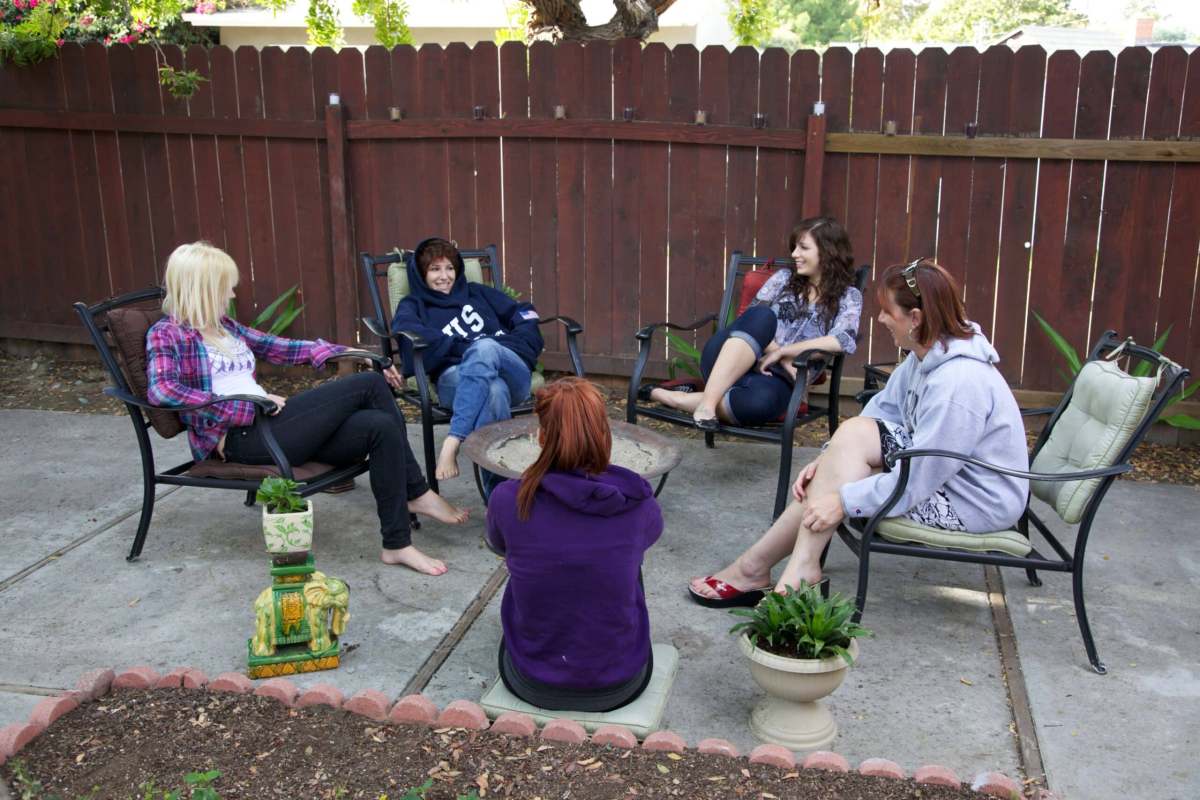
x=178 y=373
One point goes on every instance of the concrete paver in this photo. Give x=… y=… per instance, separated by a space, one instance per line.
x=927 y=688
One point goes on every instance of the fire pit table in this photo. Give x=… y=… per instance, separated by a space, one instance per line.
x=509 y=446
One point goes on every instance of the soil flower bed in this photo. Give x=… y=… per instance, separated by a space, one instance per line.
x=123 y=742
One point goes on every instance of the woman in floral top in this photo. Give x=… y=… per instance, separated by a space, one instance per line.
x=747 y=366
x=196 y=354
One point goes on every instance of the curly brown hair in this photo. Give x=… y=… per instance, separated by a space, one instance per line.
x=837 y=263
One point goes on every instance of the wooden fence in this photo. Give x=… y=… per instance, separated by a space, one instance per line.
x=1065 y=185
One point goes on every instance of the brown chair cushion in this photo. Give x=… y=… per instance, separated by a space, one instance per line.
x=129 y=327
x=228 y=470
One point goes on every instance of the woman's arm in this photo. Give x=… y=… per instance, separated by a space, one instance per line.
x=164 y=387
x=278 y=350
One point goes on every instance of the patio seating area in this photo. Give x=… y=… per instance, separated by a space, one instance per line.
x=930 y=687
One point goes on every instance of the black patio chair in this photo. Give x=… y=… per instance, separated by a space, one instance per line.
x=118 y=328
x=387 y=276
x=800 y=409
x=1086 y=443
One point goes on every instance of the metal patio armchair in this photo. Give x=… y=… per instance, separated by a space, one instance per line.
x=1087 y=442
x=800 y=410
x=118 y=328
x=390 y=271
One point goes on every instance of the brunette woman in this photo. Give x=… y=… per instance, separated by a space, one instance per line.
x=947 y=394
x=747 y=369
x=196 y=353
x=574 y=530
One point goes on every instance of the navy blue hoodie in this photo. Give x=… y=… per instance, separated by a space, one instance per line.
x=471 y=311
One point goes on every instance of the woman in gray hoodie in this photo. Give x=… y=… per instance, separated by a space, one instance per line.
x=946 y=394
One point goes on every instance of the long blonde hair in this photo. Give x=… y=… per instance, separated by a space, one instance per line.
x=197 y=280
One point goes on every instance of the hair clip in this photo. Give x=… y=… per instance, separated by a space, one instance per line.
x=910 y=276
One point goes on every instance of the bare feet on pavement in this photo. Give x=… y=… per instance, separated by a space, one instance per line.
x=413 y=558
x=433 y=505
x=447 y=463
x=736 y=576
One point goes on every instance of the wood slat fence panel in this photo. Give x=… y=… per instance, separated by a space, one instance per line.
x=614 y=230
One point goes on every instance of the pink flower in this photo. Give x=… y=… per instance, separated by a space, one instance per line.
x=128 y=38
x=19 y=3
x=107 y=40
x=60 y=42
x=139 y=26
x=86 y=20
x=33 y=4
x=206 y=7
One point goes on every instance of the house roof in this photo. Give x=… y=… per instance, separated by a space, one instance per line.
x=1051 y=38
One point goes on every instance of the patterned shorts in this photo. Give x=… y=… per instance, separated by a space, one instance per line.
x=933 y=512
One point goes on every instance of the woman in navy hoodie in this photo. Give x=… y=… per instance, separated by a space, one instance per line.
x=574 y=530
x=483 y=345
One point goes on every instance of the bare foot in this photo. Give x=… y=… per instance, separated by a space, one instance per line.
x=447 y=463
x=794 y=574
x=735 y=575
x=413 y=558
x=433 y=505
x=704 y=414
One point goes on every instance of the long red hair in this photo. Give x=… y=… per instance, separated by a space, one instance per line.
x=575 y=435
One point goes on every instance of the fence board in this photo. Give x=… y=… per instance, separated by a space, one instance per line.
x=543 y=208
x=862 y=181
x=837 y=68
x=146 y=98
x=485 y=92
x=709 y=210
x=514 y=94
x=804 y=89
x=627 y=187
x=122 y=73
x=432 y=167
x=1050 y=221
x=740 y=188
x=1179 y=300
x=1083 y=214
x=460 y=153
x=382 y=167
x=599 y=269
x=775 y=201
x=206 y=167
x=684 y=78
x=929 y=117
x=962 y=91
x=570 y=263
x=255 y=168
x=892 y=206
x=278 y=83
x=230 y=151
x=1117 y=289
x=652 y=206
x=1016 y=231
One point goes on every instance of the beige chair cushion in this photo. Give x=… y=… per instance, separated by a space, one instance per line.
x=397 y=278
x=1107 y=405
x=903 y=529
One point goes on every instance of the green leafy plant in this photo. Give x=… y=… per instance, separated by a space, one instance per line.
x=1142 y=369
x=279 y=495
x=685 y=358
x=418 y=793
x=201 y=784
x=276 y=317
x=802 y=624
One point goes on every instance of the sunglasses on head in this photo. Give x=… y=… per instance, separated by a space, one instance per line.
x=909 y=274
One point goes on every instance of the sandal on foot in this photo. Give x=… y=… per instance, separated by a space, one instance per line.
x=643 y=392
x=727 y=596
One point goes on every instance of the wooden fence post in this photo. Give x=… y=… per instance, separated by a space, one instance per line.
x=345 y=297
x=814 y=163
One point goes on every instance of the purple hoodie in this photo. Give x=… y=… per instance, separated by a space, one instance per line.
x=574 y=615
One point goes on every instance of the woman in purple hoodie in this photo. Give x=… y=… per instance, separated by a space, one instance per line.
x=573 y=531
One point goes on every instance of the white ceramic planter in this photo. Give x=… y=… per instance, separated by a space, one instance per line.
x=791 y=714
x=288 y=533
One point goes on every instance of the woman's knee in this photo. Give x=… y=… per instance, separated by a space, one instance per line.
x=758 y=321
x=498 y=394
x=482 y=358
x=858 y=436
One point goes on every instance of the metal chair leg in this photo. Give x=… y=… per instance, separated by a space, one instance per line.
x=430 y=456
x=1081 y=614
x=139 y=538
x=864 y=562
x=1034 y=580
x=250 y=497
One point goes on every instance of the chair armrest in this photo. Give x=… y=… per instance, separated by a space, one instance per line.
x=1116 y=469
x=376 y=327
x=648 y=331
x=262 y=403
x=382 y=362
x=804 y=356
x=573 y=327
x=1037 y=412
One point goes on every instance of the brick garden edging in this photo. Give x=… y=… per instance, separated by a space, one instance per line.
x=416 y=709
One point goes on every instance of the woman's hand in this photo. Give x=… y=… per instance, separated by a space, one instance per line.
x=800 y=487
x=394 y=378
x=279 y=402
x=823 y=512
x=769 y=357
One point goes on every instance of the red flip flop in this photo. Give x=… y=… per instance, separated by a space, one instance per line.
x=728 y=595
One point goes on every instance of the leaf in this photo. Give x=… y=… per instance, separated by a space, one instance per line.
x=662 y=768
x=1060 y=343
x=674 y=756
x=1185 y=421
x=267 y=312
x=966 y=682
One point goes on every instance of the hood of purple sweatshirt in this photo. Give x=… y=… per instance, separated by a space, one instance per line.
x=612 y=492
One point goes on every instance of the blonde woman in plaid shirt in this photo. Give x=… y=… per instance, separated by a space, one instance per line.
x=195 y=353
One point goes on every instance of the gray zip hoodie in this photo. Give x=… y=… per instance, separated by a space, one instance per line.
x=953 y=399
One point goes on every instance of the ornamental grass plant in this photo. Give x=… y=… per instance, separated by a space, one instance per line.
x=801 y=624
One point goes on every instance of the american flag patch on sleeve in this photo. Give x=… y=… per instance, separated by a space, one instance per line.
x=529 y=314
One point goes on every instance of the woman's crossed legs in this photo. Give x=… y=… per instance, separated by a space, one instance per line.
x=853 y=454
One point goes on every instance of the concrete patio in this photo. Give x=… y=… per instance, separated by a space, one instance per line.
x=928 y=688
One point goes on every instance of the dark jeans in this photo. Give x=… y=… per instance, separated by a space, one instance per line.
x=754 y=398
x=556 y=698
x=339 y=423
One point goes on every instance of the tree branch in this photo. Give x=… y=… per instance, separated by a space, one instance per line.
x=564 y=19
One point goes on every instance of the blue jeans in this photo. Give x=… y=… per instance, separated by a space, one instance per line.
x=754 y=399
x=481 y=389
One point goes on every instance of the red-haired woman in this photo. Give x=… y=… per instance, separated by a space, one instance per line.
x=573 y=531
x=947 y=394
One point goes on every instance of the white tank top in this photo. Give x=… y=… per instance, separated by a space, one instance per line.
x=231 y=367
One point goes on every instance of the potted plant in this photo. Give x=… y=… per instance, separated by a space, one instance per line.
x=799 y=645
x=287 y=517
